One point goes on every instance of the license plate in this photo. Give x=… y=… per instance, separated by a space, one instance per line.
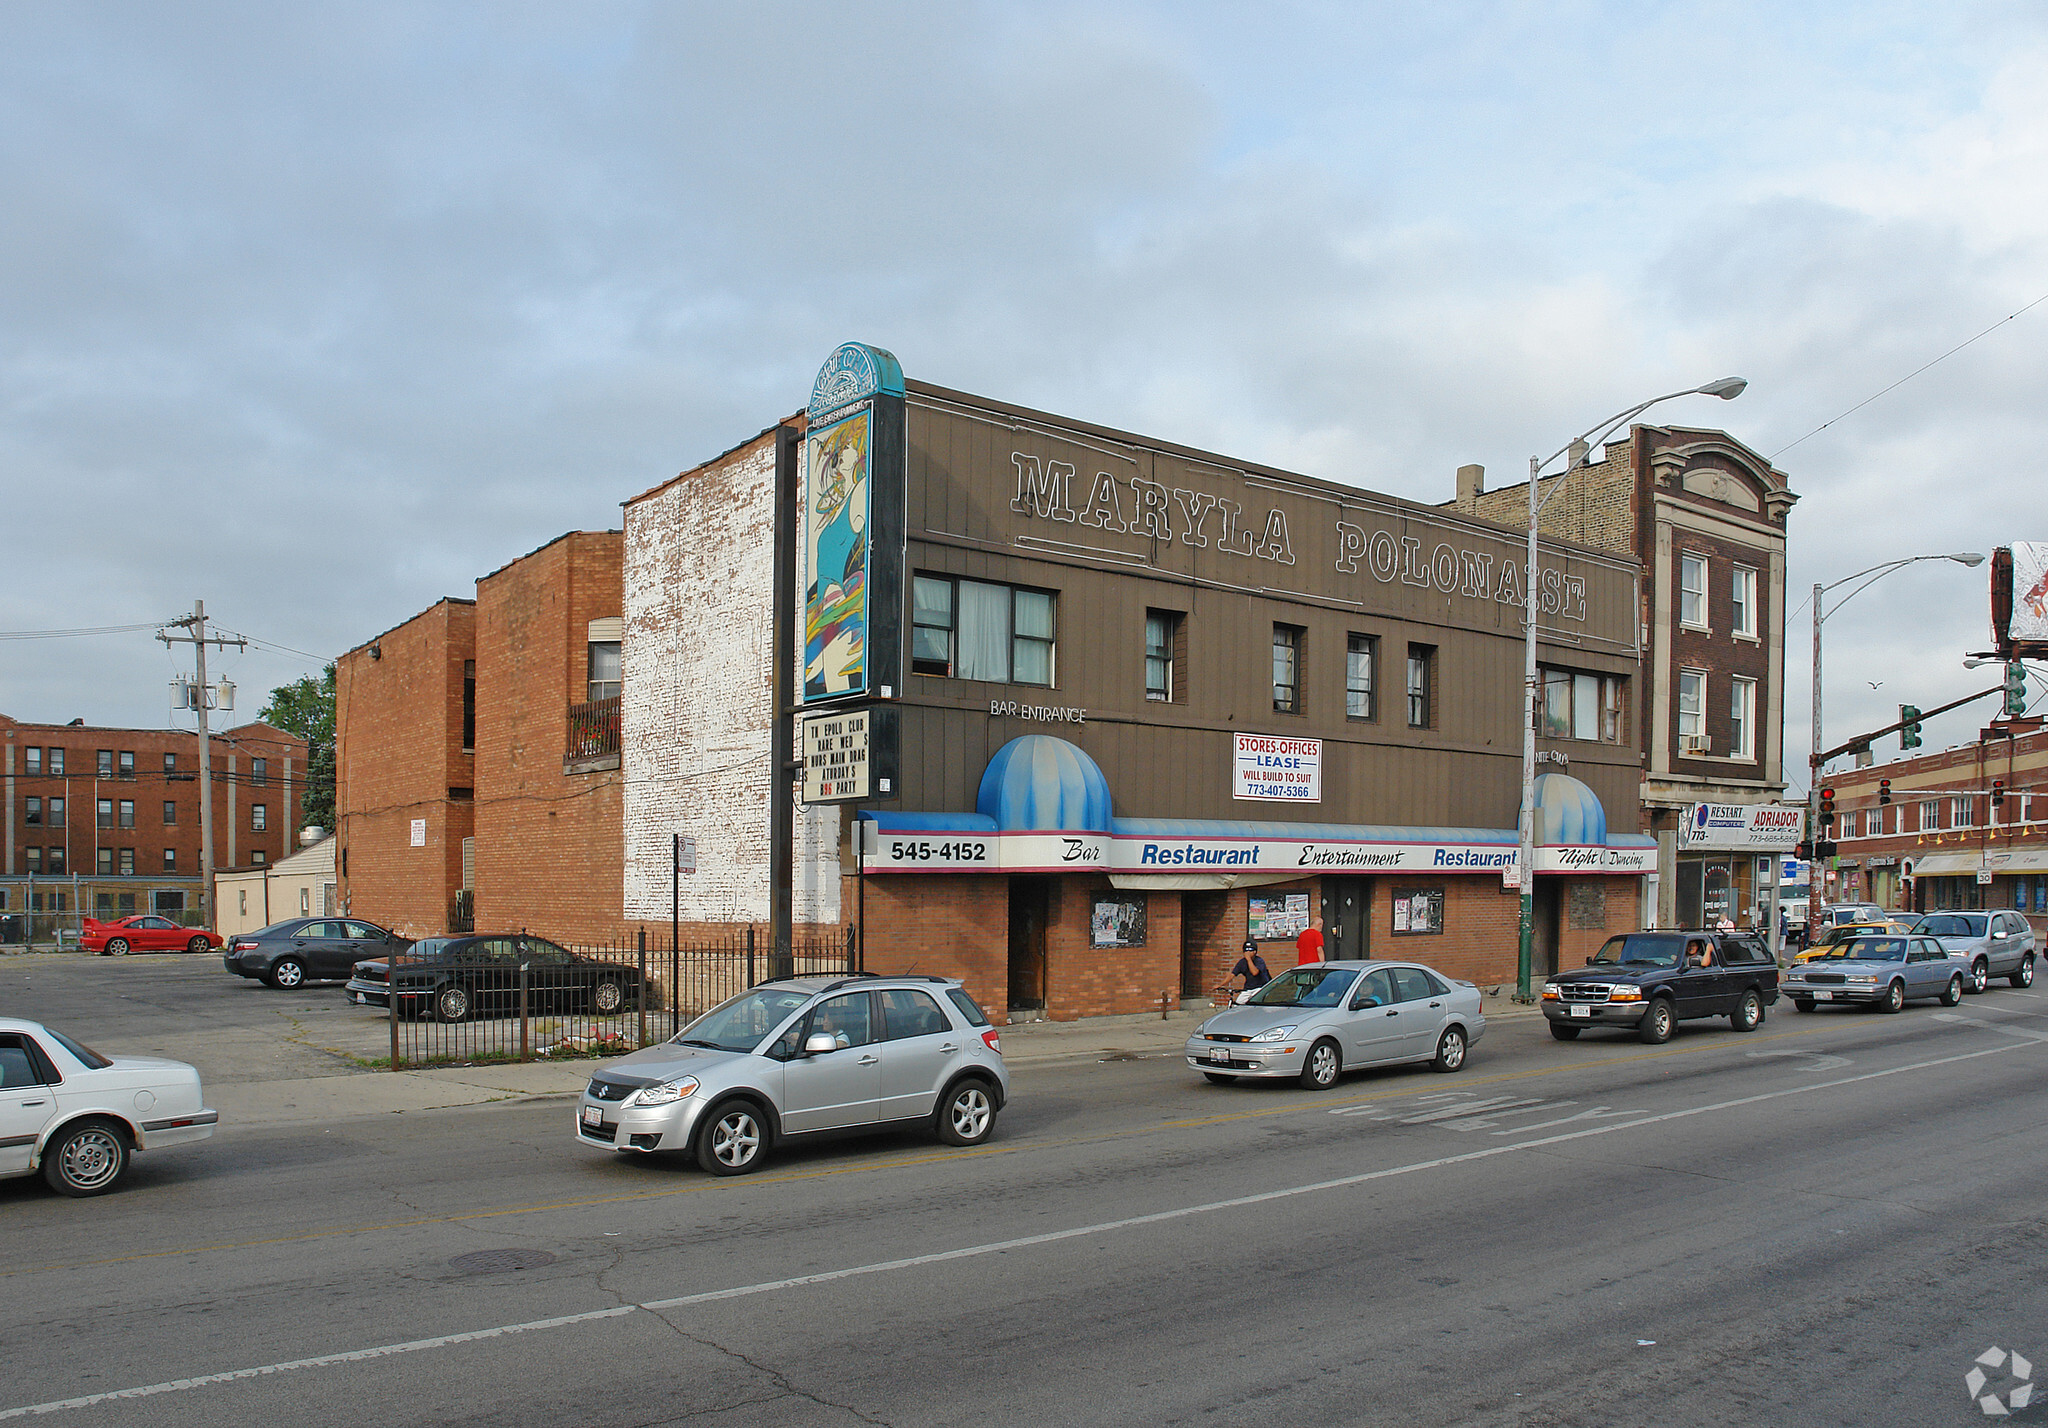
x=362 y=999
x=593 y=1115
x=1823 y=996
x=1219 y=1056
x=1581 y=1011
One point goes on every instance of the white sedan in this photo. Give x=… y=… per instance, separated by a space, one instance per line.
x=77 y=1115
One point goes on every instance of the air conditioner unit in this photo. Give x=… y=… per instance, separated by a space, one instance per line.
x=1695 y=743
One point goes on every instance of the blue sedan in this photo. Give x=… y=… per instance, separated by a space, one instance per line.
x=1882 y=971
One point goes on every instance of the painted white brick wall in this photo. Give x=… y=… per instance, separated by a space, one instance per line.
x=696 y=707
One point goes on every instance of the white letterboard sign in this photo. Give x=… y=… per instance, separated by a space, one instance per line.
x=835 y=753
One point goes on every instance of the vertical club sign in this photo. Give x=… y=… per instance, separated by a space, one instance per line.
x=851 y=531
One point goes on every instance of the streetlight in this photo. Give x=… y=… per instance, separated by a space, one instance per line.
x=1580 y=447
x=1820 y=616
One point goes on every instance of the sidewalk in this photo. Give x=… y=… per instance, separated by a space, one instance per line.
x=317 y=1100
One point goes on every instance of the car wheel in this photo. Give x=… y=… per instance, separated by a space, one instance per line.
x=1980 y=976
x=1450 y=1050
x=1565 y=1033
x=287 y=973
x=607 y=997
x=116 y=947
x=197 y=944
x=1749 y=1012
x=1894 y=998
x=1319 y=1071
x=732 y=1142
x=1804 y=1004
x=1659 y=1021
x=1952 y=994
x=968 y=1115
x=86 y=1159
x=451 y=1003
x=2024 y=977
x=1215 y=1080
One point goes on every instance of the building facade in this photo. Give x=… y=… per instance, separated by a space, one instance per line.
x=1705 y=518
x=300 y=884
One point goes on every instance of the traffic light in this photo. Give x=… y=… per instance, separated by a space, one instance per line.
x=1884 y=791
x=2015 y=688
x=1997 y=792
x=1827 y=809
x=1804 y=851
x=1825 y=849
x=1909 y=727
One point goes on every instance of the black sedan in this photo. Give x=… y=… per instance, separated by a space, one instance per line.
x=455 y=978
x=308 y=949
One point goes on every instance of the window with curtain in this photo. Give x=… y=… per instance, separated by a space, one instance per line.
x=974 y=629
x=1361 y=656
x=605 y=680
x=1742 y=718
x=1287 y=669
x=1160 y=628
x=1421 y=660
x=1692 y=703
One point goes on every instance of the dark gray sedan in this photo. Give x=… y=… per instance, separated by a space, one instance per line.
x=308 y=949
x=1885 y=971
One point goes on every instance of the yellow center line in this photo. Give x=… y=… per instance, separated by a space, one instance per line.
x=794 y=1177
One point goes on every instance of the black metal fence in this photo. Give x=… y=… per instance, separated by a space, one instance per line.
x=607 y=1000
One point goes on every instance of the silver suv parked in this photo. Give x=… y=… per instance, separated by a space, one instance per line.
x=1988 y=944
x=799 y=1056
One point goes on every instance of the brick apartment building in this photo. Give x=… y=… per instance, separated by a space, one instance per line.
x=1940 y=843
x=1705 y=517
x=477 y=755
x=105 y=822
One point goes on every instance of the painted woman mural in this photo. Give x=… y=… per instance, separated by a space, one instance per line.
x=836 y=555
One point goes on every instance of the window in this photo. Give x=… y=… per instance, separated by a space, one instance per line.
x=1613 y=709
x=34 y=858
x=1287 y=669
x=1742 y=718
x=1849 y=823
x=1361 y=659
x=1742 y=591
x=170 y=860
x=1162 y=638
x=127 y=763
x=106 y=813
x=1577 y=705
x=106 y=763
x=907 y=1013
x=1692 y=705
x=55 y=858
x=127 y=862
x=469 y=704
x=56 y=763
x=605 y=679
x=259 y=817
x=170 y=763
x=970 y=629
x=106 y=862
x=56 y=811
x=258 y=857
x=1421 y=659
x=170 y=814
x=1930 y=815
x=32 y=812
x=33 y=758
x=127 y=813
x=259 y=772
x=1692 y=591
x=1959 y=811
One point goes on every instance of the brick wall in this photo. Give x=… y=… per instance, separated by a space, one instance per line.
x=1596 y=506
x=947 y=926
x=398 y=752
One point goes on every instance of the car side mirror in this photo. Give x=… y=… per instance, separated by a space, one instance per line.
x=1589 y=961
x=1363 y=1002
x=819 y=1042
x=1692 y=959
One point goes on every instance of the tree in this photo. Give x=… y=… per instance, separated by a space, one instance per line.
x=306 y=707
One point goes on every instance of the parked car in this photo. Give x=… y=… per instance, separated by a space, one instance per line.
x=1876 y=970
x=1648 y=982
x=1842 y=932
x=1988 y=944
x=1315 y=1022
x=799 y=1056
x=144 y=932
x=455 y=978
x=78 y=1116
x=1838 y=914
x=308 y=949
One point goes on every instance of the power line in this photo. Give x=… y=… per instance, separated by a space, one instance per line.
x=75 y=633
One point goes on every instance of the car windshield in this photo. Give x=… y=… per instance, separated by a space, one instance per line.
x=1952 y=924
x=1643 y=949
x=742 y=1023
x=1306 y=987
x=1868 y=949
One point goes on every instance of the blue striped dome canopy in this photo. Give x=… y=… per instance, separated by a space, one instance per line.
x=1038 y=781
x=1567 y=812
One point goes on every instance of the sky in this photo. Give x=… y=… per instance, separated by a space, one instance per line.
x=319 y=313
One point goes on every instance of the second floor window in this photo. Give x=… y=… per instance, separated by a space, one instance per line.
x=1421 y=668
x=127 y=813
x=170 y=813
x=1361 y=660
x=170 y=763
x=1742 y=588
x=32 y=812
x=1959 y=811
x=259 y=772
x=1287 y=669
x=1578 y=705
x=972 y=629
x=170 y=860
x=605 y=679
x=1692 y=705
x=259 y=817
x=56 y=808
x=127 y=862
x=56 y=862
x=106 y=813
x=1692 y=591
x=1160 y=628
x=1742 y=718
x=1930 y=815
x=32 y=860
x=106 y=863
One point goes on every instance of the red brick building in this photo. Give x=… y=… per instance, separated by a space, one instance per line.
x=105 y=821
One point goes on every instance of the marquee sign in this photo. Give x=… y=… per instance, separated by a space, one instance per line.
x=1762 y=827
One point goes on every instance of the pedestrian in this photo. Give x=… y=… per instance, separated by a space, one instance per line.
x=1252 y=967
x=1309 y=946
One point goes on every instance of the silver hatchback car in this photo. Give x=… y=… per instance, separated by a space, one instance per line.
x=804 y=1055
x=1315 y=1022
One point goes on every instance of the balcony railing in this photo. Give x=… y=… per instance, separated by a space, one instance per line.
x=593 y=737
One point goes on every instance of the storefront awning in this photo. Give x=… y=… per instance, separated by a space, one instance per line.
x=2002 y=860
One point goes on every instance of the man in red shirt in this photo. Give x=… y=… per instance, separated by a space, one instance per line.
x=1309 y=946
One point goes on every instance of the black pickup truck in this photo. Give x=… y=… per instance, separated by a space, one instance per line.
x=1651 y=981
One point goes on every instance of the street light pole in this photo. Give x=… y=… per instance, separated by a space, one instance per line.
x=1727 y=388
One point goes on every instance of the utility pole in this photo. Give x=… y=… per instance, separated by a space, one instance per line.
x=195 y=635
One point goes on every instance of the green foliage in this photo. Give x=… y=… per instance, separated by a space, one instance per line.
x=306 y=707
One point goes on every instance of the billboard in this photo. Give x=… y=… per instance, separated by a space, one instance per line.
x=850 y=528
x=2019 y=600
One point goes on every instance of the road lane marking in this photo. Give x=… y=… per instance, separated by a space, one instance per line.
x=1960 y=1020
x=1818 y=1060
x=1157 y=1217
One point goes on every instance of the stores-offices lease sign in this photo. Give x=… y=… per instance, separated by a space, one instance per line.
x=1280 y=770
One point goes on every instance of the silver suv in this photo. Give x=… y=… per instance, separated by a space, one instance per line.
x=1988 y=944
x=800 y=1055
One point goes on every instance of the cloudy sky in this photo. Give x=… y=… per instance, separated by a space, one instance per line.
x=319 y=313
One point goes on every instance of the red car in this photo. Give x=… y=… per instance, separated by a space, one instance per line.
x=145 y=932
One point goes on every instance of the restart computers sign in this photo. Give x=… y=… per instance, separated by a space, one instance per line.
x=1278 y=770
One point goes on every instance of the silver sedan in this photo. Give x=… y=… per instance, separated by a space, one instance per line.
x=1881 y=970
x=1315 y=1022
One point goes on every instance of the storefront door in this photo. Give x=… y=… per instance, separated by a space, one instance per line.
x=1347 y=918
x=1030 y=899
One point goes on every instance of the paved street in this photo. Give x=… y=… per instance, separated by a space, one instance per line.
x=1823 y=1222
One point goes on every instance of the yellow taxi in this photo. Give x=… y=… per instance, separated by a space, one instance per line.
x=1834 y=936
